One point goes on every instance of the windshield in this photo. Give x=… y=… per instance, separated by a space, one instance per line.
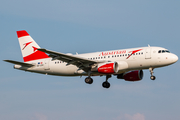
x=163 y=51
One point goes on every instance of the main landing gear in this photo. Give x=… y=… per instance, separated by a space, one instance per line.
x=105 y=84
x=89 y=80
x=152 y=76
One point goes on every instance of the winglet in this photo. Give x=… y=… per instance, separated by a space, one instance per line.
x=42 y=49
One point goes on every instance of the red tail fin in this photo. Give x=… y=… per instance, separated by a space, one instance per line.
x=29 y=47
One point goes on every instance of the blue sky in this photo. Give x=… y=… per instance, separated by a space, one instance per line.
x=89 y=26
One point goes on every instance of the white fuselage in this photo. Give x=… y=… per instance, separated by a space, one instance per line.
x=142 y=58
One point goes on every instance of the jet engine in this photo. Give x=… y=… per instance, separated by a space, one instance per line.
x=131 y=75
x=107 y=68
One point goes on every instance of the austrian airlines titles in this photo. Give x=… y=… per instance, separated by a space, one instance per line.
x=127 y=64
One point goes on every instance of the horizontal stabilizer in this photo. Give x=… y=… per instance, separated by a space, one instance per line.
x=19 y=63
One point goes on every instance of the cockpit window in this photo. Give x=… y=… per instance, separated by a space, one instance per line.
x=167 y=51
x=163 y=51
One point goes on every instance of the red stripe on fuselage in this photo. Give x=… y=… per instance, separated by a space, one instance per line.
x=135 y=51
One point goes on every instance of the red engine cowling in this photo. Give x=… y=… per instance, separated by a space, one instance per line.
x=108 y=68
x=131 y=76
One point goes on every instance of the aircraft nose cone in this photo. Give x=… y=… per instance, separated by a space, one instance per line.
x=174 y=58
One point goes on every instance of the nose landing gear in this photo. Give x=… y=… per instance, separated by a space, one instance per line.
x=152 y=76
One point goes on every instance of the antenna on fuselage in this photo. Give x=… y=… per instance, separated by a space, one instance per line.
x=149 y=45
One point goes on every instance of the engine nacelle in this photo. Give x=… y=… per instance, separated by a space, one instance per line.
x=108 y=68
x=131 y=75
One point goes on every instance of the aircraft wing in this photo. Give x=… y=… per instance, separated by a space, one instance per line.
x=19 y=63
x=70 y=59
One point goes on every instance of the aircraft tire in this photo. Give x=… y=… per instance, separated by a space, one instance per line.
x=153 y=77
x=106 y=84
x=88 y=80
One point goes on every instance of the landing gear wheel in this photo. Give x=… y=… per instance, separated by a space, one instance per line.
x=153 y=77
x=106 y=84
x=89 y=80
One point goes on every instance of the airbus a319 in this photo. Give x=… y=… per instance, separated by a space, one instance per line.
x=126 y=64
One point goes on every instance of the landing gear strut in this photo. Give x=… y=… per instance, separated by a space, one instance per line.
x=106 y=84
x=152 y=76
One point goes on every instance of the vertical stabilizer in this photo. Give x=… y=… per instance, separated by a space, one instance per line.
x=29 y=47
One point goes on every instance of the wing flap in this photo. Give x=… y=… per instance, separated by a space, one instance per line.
x=19 y=63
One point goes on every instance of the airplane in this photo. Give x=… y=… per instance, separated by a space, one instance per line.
x=127 y=64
